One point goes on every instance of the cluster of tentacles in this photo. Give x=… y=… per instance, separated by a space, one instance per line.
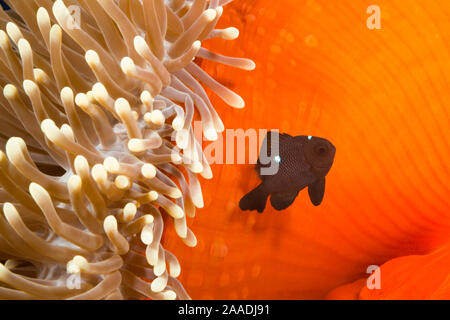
x=96 y=123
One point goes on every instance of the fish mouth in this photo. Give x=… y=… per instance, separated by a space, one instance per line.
x=320 y=172
x=322 y=167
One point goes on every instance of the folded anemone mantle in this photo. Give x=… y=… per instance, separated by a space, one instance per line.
x=97 y=143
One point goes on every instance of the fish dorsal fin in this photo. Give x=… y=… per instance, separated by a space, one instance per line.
x=282 y=200
x=316 y=191
x=282 y=138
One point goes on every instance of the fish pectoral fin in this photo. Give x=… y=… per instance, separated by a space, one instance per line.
x=316 y=191
x=282 y=200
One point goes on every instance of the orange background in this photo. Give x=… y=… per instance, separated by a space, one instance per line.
x=382 y=97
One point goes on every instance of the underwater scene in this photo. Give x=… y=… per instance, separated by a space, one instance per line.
x=224 y=150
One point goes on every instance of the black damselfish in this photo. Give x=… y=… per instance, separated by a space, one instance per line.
x=302 y=161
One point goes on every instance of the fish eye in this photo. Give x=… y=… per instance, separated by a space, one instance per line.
x=321 y=150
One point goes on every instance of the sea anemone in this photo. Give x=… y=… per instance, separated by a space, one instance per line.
x=99 y=101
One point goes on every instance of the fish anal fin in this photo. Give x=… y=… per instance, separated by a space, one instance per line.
x=282 y=200
x=316 y=191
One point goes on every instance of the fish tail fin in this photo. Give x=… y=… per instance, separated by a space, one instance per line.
x=254 y=200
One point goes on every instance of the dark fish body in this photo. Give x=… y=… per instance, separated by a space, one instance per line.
x=303 y=161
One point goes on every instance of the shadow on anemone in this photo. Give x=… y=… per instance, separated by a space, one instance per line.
x=382 y=97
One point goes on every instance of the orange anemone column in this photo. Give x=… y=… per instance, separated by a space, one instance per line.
x=381 y=97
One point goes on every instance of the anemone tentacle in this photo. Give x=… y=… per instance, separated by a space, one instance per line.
x=97 y=110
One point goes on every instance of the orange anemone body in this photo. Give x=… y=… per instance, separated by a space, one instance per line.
x=382 y=97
